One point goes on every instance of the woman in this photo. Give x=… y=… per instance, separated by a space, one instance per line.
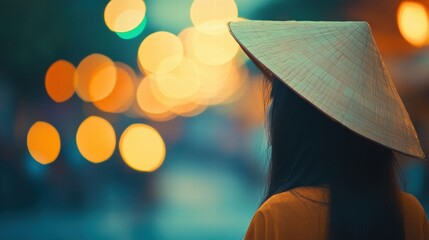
x=334 y=119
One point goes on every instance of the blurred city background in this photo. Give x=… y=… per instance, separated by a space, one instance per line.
x=131 y=119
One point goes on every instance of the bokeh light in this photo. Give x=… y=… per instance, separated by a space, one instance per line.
x=122 y=95
x=413 y=23
x=233 y=86
x=146 y=100
x=211 y=49
x=211 y=16
x=185 y=37
x=142 y=148
x=161 y=117
x=160 y=47
x=221 y=72
x=95 y=77
x=214 y=78
x=181 y=83
x=59 y=80
x=43 y=142
x=135 y=32
x=189 y=109
x=124 y=15
x=96 y=139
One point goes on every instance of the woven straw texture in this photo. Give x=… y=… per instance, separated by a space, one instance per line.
x=336 y=67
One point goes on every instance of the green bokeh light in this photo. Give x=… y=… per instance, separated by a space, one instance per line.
x=135 y=32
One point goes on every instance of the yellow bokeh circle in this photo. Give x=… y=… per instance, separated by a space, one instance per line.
x=189 y=109
x=96 y=139
x=124 y=15
x=142 y=148
x=181 y=83
x=95 y=77
x=122 y=95
x=146 y=100
x=162 y=117
x=157 y=48
x=43 y=142
x=413 y=23
x=211 y=49
x=212 y=16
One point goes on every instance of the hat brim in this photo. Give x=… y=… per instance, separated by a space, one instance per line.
x=416 y=152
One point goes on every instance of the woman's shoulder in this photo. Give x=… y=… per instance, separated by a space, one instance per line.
x=288 y=215
x=411 y=206
x=306 y=195
x=408 y=197
x=415 y=221
x=300 y=196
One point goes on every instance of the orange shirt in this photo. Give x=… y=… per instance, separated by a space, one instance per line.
x=289 y=216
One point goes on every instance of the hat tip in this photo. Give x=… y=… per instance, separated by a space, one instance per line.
x=230 y=23
x=419 y=153
x=422 y=156
x=364 y=25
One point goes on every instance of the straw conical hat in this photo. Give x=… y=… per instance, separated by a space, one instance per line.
x=336 y=67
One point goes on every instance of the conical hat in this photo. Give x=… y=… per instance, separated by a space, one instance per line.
x=337 y=68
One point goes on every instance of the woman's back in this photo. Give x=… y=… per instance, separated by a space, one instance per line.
x=334 y=119
x=302 y=214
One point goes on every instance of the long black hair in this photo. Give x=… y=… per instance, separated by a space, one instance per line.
x=309 y=148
